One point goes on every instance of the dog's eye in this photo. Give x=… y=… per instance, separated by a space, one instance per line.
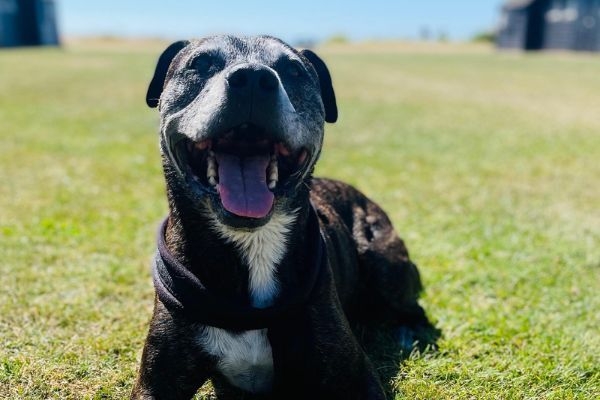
x=202 y=64
x=294 y=69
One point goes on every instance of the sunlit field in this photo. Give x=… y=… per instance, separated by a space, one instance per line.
x=488 y=164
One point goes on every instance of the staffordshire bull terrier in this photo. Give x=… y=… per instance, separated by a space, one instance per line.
x=263 y=272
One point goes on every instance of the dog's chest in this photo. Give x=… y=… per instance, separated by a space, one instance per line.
x=245 y=358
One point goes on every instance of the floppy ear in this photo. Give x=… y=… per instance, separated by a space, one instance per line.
x=160 y=73
x=327 y=93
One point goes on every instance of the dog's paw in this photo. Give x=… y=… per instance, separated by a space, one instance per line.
x=409 y=338
x=406 y=338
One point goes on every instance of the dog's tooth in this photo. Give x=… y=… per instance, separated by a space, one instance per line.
x=211 y=168
x=211 y=160
x=273 y=162
x=273 y=170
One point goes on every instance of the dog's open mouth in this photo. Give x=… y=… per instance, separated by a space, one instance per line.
x=244 y=167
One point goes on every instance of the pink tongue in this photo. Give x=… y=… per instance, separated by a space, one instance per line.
x=243 y=185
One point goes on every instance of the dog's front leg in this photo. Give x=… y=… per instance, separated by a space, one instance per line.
x=173 y=365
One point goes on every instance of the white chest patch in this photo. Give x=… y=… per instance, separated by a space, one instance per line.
x=245 y=358
x=262 y=249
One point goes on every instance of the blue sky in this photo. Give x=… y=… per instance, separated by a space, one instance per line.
x=290 y=20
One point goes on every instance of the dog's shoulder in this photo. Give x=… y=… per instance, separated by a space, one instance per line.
x=329 y=195
x=338 y=203
x=337 y=200
x=331 y=189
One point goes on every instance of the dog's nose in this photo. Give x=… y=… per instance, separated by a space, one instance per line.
x=254 y=79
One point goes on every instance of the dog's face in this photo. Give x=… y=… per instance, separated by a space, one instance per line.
x=242 y=121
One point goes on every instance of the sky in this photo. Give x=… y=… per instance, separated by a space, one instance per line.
x=296 y=20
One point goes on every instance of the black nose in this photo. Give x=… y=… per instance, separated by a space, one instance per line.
x=256 y=79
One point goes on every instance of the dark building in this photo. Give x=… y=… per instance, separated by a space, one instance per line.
x=550 y=24
x=28 y=23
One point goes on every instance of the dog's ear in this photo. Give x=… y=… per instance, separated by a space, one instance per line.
x=160 y=73
x=327 y=93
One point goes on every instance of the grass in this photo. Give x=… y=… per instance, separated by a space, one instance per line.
x=487 y=164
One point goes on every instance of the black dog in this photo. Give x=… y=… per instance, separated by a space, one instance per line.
x=262 y=272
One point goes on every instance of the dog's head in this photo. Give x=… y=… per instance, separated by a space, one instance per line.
x=242 y=121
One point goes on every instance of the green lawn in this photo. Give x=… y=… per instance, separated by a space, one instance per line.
x=488 y=164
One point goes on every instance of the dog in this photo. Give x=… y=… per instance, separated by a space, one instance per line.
x=263 y=272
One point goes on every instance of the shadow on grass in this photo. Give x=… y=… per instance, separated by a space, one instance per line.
x=389 y=346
